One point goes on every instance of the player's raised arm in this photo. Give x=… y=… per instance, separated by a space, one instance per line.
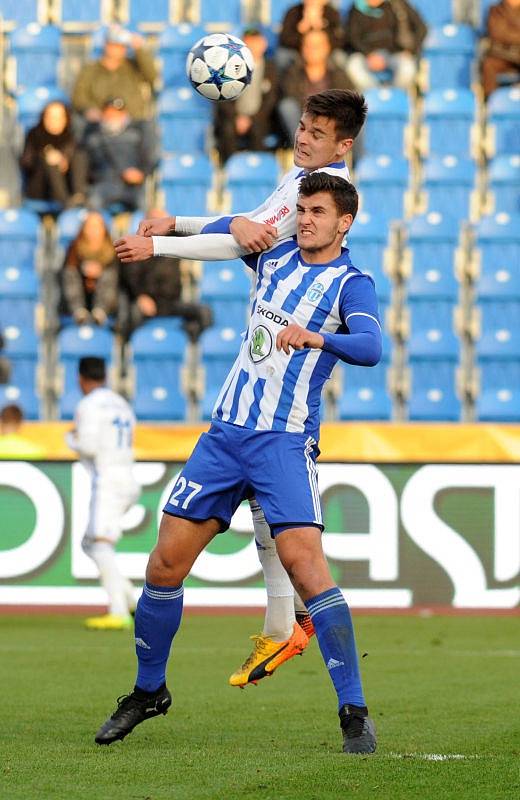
x=205 y=247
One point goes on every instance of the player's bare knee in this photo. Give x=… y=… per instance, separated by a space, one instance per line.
x=163 y=569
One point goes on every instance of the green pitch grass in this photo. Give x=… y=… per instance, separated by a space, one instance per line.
x=443 y=692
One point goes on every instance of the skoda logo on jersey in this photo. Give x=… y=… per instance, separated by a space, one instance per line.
x=260 y=344
x=315 y=292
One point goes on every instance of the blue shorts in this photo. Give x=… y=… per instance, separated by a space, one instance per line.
x=231 y=463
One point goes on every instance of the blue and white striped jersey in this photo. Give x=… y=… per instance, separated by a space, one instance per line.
x=267 y=389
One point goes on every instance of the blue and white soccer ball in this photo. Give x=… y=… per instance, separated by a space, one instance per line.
x=220 y=66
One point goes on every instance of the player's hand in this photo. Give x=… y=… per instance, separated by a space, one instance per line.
x=298 y=338
x=253 y=236
x=134 y=248
x=156 y=226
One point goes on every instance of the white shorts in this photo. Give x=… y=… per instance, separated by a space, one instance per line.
x=109 y=502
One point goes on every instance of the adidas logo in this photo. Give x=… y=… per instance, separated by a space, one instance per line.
x=141 y=643
x=332 y=662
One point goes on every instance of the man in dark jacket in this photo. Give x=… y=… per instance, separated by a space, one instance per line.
x=503 y=54
x=383 y=35
x=245 y=123
x=120 y=157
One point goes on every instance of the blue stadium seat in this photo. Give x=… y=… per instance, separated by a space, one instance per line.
x=250 y=177
x=19 y=290
x=449 y=179
x=499 y=330
x=228 y=14
x=453 y=111
x=158 y=349
x=185 y=181
x=35 y=52
x=448 y=52
x=499 y=397
x=433 y=394
x=226 y=288
x=382 y=182
x=31 y=102
x=497 y=242
x=498 y=282
x=278 y=9
x=81 y=16
x=504 y=121
x=21 y=348
x=149 y=17
x=504 y=183
x=22 y=396
x=174 y=45
x=365 y=395
x=431 y=329
x=388 y=117
x=218 y=349
x=16 y=13
x=367 y=242
x=73 y=343
x=184 y=119
x=20 y=238
x=431 y=241
x=434 y=13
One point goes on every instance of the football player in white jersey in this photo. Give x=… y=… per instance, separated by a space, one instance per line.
x=330 y=122
x=310 y=307
x=102 y=438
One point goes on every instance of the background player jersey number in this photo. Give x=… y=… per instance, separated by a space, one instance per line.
x=124 y=431
x=181 y=483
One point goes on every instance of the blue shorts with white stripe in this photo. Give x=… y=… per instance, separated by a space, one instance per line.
x=231 y=463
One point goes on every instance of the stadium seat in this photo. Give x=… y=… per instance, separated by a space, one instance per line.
x=448 y=54
x=431 y=332
x=82 y=16
x=174 y=45
x=158 y=348
x=499 y=330
x=448 y=182
x=218 y=350
x=149 y=17
x=435 y=13
x=498 y=399
x=22 y=396
x=19 y=290
x=433 y=394
x=185 y=181
x=382 y=182
x=453 y=111
x=74 y=342
x=497 y=242
x=503 y=127
x=429 y=256
x=31 y=102
x=504 y=183
x=21 y=348
x=250 y=177
x=184 y=119
x=16 y=13
x=20 y=238
x=34 y=56
x=214 y=13
x=277 y=11
x=365 y=395
x=226 y=287
x=367 y=243
x=387 y=121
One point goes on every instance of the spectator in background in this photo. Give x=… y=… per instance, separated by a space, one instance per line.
x=154 y=289
x=54 y=167
x=380 y=36
x=245 y=123
x=311 y=15
x=503 y=53
x=312 y=73
x=120 y=156
x=90 y=274
x=117 y=75
x=13 y=445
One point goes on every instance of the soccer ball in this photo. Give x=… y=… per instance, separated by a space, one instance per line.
x=220 y=66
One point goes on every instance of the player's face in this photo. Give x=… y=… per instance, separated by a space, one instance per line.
x=319 y=225
x=316 y=143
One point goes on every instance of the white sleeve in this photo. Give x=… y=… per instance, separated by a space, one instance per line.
x=191 y=225
x=205 y=247
x=85 y=442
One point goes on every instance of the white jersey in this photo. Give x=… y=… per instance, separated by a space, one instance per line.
x=104 y=430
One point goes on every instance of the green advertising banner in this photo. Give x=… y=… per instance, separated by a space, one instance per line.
x=397 y=536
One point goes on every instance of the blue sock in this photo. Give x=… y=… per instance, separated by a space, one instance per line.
x=157 y=619
x=333 y=625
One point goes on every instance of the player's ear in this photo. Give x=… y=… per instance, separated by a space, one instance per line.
x=345 y=223
x=344 y=145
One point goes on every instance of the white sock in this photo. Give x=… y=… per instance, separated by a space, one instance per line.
x=115 y=585
x=299 y=605
x=279 y=614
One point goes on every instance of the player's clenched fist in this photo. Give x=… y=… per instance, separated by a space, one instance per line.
x=134 y=248
x=298 y=338
x=156 y=226
x=253 y=236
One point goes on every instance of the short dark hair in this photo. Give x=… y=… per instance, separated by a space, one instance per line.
x=11 y=414
x=92 y=368
x=343 y=193
x=347 y=108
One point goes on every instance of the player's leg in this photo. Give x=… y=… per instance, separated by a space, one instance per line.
x=302 y=555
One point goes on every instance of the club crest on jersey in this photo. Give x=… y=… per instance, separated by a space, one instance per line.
x=260 y=344
x=315 y=292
